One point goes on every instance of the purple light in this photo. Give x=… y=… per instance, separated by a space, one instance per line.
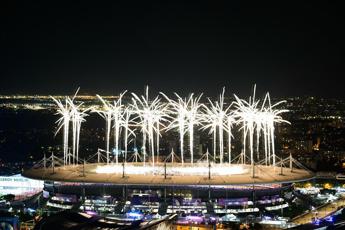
x=91 y=213
x=182 y=221
x=197 y=219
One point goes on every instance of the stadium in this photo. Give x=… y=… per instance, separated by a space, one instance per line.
x=222 y=182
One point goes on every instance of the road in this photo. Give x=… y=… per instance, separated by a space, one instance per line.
x=320 y=212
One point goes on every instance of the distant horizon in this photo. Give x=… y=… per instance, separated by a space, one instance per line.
x=279 y=91
x=3 y=96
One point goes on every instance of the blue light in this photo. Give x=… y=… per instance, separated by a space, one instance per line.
x=136 y=215
x=329 y=218
x=317 y=222
x=117 y=152
x=31 y=210
x=267 y=218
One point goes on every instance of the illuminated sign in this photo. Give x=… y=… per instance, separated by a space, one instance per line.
x=19 y=185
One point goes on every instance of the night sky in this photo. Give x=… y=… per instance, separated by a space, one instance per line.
x=290 y=50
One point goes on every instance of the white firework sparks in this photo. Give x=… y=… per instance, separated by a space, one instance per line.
x=70 y=112
x=256 y=120
x=193 y=119
x=186 y=115
x=128 y=122
x=178 y=110
x=270 y=115
x=118 y=119
x=151 y=115
x=120 y=116
x=217 y=117
x=63 y=122
x=246 y=112
x=77 y=117
x=106 y=113
x=262 y=120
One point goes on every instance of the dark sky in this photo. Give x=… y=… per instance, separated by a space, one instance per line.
x=55 y=46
